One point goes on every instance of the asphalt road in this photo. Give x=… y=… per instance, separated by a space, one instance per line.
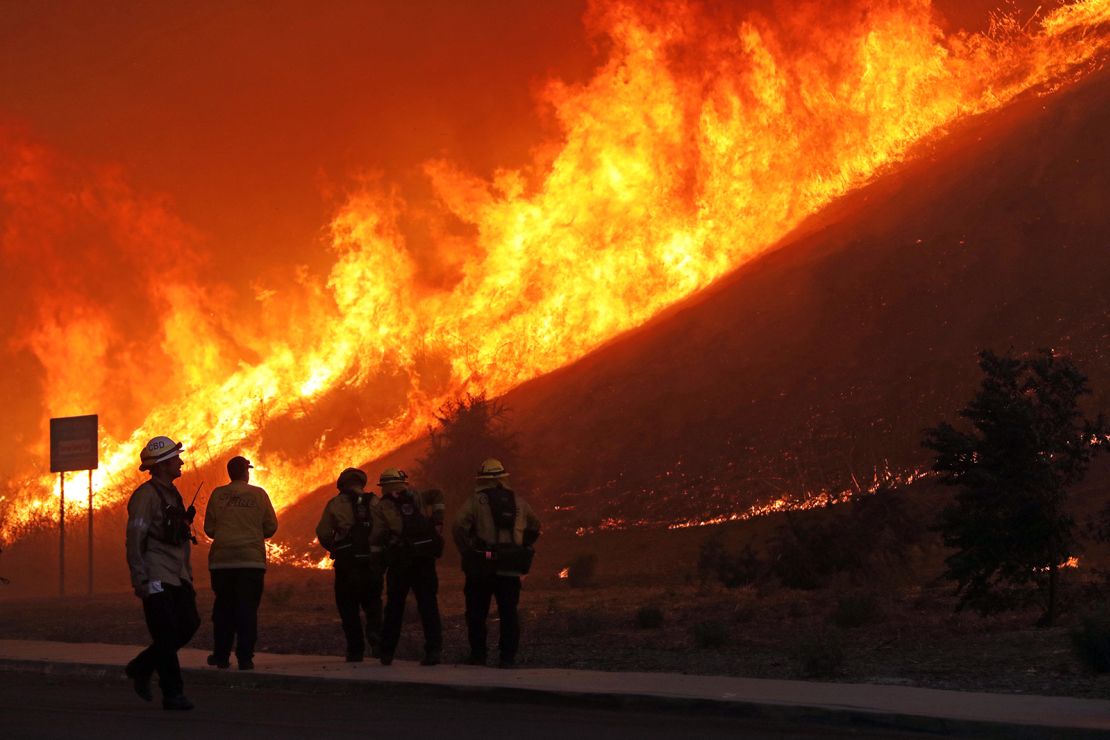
x=42 y=706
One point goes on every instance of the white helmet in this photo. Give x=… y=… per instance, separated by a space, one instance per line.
x=158 y=450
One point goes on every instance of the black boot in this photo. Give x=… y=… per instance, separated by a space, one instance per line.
x=216 y=660
x=140 y=682
x=431 y=657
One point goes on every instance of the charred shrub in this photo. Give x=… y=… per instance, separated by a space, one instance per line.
x=820 y=656
x=584 y=622
x=468 y=428
x=649 y=618
x=856 y=609
x=857 y=538
x=710 y=634
x=716 y=562
x=1091 y=640
x=582 y=569
x=744 y=613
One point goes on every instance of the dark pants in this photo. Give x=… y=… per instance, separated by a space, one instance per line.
x=235 y=611
x=478 y=591
x=172 y=619
x=359 y=587
x=419 y=576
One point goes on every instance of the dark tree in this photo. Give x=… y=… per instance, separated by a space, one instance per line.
x=1009 y=524
x=468 y=431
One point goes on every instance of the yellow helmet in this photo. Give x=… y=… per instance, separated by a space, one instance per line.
x=158 y=450
x=392 y=475
x=492 y=469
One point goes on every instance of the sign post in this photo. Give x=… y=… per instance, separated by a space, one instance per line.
x=62 y=535
x=90 y=536
x=74 y=445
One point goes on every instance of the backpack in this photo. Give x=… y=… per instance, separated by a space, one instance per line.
x=175 y=521
x=507 y=555
x=354 y=547
x=419 y=539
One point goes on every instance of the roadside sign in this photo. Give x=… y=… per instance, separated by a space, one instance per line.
x=74 y=443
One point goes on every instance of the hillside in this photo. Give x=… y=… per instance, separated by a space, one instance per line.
x=827 y=357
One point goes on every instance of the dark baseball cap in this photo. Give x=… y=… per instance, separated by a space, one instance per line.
x=238 y=465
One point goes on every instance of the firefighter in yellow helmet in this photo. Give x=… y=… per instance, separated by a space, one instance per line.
x=408 y=526
x=158 y=539
x=494 y=531
x=344 y=531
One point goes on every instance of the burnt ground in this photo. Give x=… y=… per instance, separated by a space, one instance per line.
x=911 y=634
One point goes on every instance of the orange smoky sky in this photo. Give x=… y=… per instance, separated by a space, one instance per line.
x=244 y=114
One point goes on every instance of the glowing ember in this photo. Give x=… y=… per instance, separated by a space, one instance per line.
x=281 y=554
x=695 y=147
x=1072 y=562
x=881 y=479
x=564 y=574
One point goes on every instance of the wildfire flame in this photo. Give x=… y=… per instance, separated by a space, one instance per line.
x=277 y=552
x=697 y=145
x=882 y=479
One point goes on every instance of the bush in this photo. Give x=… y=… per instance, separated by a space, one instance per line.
x=649 y=618
x=710 y=634
x=1091 y=640
x=732 y=570
x=468 y=429
x=280 y=594
x=744 y=613
x=820 y=656
x=583 y=623
x=581 y=570
x=853 y=538
x=856 y=609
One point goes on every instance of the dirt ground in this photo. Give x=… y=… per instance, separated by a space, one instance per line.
x=912 y=639
x=903 y=628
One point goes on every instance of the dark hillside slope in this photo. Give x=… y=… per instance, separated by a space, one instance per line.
x=828 y=356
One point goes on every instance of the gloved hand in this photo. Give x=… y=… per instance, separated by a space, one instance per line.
x=191 y=513
x=148 y=588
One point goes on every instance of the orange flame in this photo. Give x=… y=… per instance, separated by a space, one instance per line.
x=698 y=144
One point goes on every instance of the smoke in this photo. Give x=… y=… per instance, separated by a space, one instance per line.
x=93 y=275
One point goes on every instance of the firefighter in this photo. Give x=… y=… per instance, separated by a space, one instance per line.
x=158 y=540
x=344 y=531
x=409 y=529
x=239 y=518
x=494 y=531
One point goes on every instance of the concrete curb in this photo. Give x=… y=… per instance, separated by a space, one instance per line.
x=823 y=716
